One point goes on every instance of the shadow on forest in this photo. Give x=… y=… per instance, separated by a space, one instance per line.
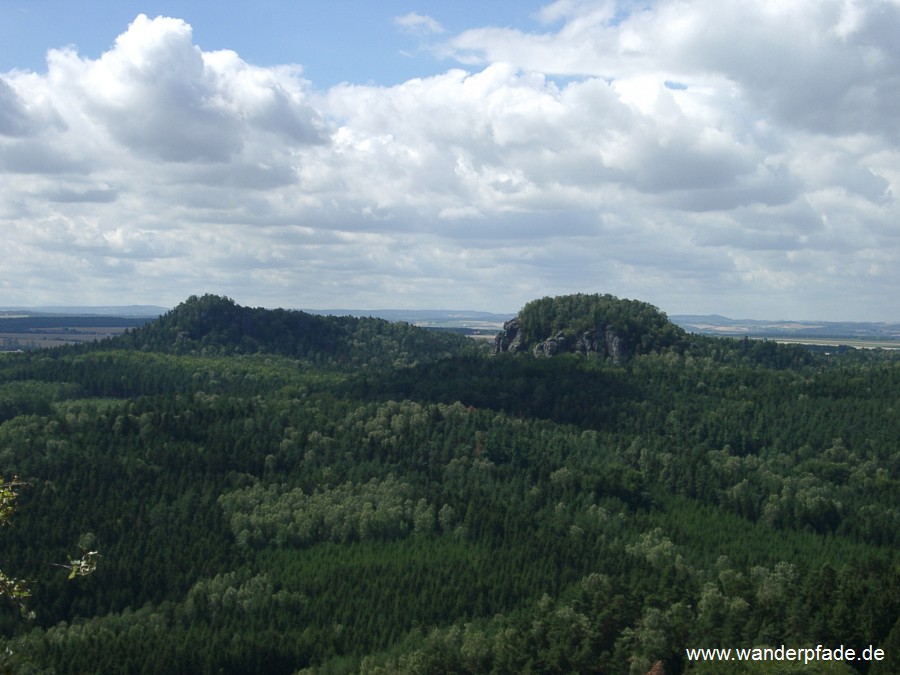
x=565 y=389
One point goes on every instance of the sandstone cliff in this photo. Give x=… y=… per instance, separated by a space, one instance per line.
x=588 y=324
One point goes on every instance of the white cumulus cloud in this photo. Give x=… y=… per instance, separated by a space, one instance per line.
x=739 y=158
x=418 y=24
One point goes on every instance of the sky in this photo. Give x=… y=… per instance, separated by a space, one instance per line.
x=739 y=158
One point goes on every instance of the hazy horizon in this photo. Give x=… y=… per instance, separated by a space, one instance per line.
x=375 y=311
x=707 y=158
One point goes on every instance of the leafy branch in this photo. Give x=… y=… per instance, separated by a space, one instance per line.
x=16 y=590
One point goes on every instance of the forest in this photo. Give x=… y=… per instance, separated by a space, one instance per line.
x=269 y=491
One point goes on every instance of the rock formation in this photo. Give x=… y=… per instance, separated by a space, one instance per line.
x=603 y=341
x=510 y=339
x=588 y=324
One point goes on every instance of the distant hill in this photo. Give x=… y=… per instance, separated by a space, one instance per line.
x=215 y=324
x=601 y=324
x=715 y=324
x=45 y=322
x=134 y=311
x=638 y=323
x=464 y=322
x=24 y=331
x=422 y=317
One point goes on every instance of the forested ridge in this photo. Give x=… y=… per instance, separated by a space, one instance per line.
x=276 y=492
x=637 y=326
x=217 y=325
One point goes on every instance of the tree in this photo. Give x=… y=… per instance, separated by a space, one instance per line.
x=16 y=590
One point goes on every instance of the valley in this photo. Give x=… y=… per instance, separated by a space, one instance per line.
x=276 y=491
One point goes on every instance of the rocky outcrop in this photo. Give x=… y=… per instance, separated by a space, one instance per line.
x=510 y=339
x=551 y=346
x=595 y=324
x=614 y=346
x=602 y=341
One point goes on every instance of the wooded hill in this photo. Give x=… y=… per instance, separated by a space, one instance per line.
x=276 y=492
x=216 y=325
x=597 y=324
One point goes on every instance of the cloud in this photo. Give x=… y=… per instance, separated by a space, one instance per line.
x=687 y=153
x=97 y=195
x=418 y=24
x=828 y=67
x=159 y=96
x=13 y=116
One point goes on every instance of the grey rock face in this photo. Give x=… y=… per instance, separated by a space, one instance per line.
x=510 y=339
x=551 y=346
x=613 y=344
x=602 y=340
x=591 y=341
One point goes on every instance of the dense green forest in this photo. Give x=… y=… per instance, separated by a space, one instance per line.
x=275 y=492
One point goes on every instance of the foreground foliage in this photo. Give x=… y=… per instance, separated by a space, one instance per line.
x=270 y=509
